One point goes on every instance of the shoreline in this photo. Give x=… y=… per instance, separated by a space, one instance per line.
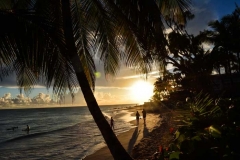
x=132 y=137
x=39 y=106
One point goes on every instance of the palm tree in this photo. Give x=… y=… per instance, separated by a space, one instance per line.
x=55 y=42
x=225 y=37
x=189 y=58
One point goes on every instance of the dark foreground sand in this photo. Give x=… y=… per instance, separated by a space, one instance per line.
x=143 y=141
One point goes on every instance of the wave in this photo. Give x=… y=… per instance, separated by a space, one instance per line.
x=107 y=115
x=32 y=135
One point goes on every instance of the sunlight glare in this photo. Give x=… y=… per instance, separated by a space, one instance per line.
x=142 y=91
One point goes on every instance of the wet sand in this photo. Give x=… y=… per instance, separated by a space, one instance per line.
x=130 y=138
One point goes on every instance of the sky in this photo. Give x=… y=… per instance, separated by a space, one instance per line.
x=127 y=87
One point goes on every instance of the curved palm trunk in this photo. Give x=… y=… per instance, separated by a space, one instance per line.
x=115 y=147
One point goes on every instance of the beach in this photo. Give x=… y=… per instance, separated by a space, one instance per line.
x=130 y=138
x=143 y=141
x=134 y=139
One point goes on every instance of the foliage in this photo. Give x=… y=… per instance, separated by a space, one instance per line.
x=224 y=34
x=192 y=64
x=165 y=85
x=196 y=64
x=212 y=131
x=189 y=58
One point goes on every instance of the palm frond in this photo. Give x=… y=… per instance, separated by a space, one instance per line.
x=33 y=53
x=84 y=40
x=126 y=30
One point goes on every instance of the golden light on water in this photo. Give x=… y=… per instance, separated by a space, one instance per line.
x=141 y=91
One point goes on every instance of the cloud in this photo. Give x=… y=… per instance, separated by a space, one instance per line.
x=156 y=72
x=203 y=15
x=129 y=77
x=7 y=96
x=111 y=98
x=6 y=99
x=16 y=87
x=107 y=88
x=42 y=98
x=21 y=99
x=11 y=87
x=105 y=97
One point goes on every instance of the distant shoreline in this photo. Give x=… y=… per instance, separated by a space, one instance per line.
x=52 y=106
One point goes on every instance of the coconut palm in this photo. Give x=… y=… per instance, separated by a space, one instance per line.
x=55 y=41
x=225 y=37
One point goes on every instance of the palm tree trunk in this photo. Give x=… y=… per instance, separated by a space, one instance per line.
x=115 y=147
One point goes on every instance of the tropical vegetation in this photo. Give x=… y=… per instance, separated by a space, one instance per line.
x=209 y=131
x=207 y=89
x=54 y=42
x=197 y=67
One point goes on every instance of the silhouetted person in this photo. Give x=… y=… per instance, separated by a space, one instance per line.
x=112 y=123
x=27 y=129
x=144 y=115
x=137 y=117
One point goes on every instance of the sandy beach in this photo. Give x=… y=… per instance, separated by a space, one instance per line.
x=130 y=138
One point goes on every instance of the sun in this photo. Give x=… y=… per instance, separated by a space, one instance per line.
x=141 y=91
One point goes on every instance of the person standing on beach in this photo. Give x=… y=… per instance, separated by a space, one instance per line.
x=144 y=115
x=137 y=117
x=112 y=123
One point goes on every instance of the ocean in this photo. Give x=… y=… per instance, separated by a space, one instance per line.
x=56 y=133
